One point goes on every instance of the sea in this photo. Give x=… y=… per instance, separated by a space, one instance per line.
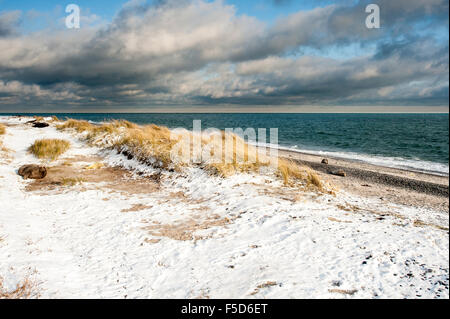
x=417 y=142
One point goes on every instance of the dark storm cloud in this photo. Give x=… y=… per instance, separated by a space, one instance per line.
x=346 y=24
x=316 y=80
x=8 y=23
x=180 y=52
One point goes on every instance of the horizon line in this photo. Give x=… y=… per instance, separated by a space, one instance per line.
x=195 y=109
x=224 y=112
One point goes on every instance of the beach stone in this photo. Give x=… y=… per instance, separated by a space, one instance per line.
x=127 y=154
x=340 y=172
x=40 y=124
x=32 y=171
x=325 y=161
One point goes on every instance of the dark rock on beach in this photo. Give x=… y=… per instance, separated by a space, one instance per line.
x=32 y=171
x=40 y=124
x=325 y=161
x=127 y=154
x=339 y=172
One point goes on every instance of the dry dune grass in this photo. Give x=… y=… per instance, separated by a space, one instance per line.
x=267 y=284
x=344 y=291
x=24 y=290
x=290 y=171
x=4 y=152
x=146 y=143
x=237 y=157
x=53 y=118
x=38 y=118
x=155 y=145
x=49 y=148
x=246 y=158
x=79 y=126
x=72 y=181
x=85 y=126
x=419 y=223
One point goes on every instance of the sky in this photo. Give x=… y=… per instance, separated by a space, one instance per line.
x=254 y=55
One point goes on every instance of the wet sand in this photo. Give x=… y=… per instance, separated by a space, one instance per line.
x=389 y=184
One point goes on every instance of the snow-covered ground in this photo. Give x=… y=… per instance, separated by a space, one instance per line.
x=201 y=236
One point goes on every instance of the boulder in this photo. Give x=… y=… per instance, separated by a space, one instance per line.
x=32 y=171
x=340 y=172
x=40 y=124
x=325 y=161
x=127 y=154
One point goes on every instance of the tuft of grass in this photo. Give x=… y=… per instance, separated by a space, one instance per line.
x=72 y=181
x=79 y=126
x=267 y=284
x=242 y=158
x=24 y=290
x=314 y=180
x=49 y=148
x=344 y=291
x=125 y=124
x=4 y=152
x=291 y=171
x=149 y=144
x=420 y=223
x=95 y=165
x=84 y=126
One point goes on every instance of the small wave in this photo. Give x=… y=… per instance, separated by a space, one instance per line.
x=96 y=122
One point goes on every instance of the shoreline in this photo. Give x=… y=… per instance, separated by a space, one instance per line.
x=331 y=155
x=400 y=186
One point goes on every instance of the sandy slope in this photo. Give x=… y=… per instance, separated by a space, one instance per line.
x=194 y=235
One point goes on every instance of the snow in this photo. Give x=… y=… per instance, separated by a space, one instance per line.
x=78 y=245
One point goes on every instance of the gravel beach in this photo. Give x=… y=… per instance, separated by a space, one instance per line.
x=391 y=184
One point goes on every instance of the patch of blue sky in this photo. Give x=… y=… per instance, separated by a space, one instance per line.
x=104 y=8
x=271 y=10
x=38 y=15
x=429 y=28
x=336 y=52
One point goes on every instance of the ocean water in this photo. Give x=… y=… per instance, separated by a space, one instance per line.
x=411 y=141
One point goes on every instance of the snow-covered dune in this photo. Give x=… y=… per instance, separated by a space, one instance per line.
x=126 y=230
